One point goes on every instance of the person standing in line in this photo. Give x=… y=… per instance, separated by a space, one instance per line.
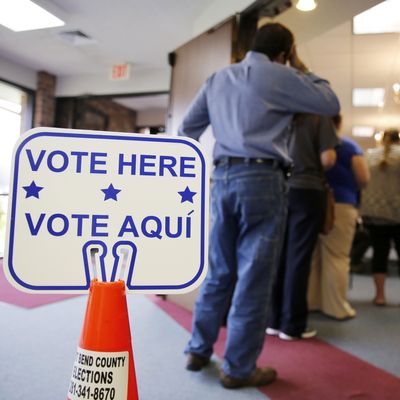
x=249 y=106
x=380 y=207
x=312 y=148
x=329 y=277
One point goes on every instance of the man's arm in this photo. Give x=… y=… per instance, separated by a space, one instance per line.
x=197 y=118
x=327 y=141
x=303 y=91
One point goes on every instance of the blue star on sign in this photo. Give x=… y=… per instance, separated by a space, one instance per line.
x=32 y=190
x=187 y=195
x=110 y=193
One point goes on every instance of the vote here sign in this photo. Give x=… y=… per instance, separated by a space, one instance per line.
x=106 y=205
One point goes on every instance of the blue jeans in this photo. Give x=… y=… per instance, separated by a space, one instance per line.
x=248 y=213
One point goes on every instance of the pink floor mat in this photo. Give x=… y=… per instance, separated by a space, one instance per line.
x=8 y=294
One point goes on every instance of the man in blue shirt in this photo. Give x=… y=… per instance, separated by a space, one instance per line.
x=249 y=105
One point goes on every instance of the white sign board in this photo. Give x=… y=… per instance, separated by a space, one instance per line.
x=139 y=201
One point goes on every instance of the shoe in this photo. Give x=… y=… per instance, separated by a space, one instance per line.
x=272 y=332
x=308 y=334
x=195 y=362
x=379 y=302
x=343 y=319
x=259 y=377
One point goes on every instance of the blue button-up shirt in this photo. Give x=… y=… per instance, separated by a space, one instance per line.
x=250 y=104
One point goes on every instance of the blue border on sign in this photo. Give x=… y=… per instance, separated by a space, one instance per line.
x=87 y=273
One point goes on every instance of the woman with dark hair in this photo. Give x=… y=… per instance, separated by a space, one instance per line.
x=381 y=207
x=312 y=148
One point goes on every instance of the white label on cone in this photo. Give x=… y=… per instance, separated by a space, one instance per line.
x=99 y=376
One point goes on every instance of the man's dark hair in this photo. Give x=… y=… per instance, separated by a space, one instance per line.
x=273 y=39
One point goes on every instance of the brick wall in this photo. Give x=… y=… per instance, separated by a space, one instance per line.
x=119 y=118
x=94 y=114
x=45 y=99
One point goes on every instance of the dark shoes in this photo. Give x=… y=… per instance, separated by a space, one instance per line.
x=259 y=377
x=381 y=302
x=195 y=362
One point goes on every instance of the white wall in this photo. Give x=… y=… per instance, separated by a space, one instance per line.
x=217 y=11
x=16 y=73
x=141 y=81
x=357 y=61
x=151 y=117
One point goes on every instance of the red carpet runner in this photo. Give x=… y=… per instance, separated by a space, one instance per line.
x=310 y=370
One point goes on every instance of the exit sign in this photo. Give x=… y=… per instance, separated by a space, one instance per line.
x=120 y=72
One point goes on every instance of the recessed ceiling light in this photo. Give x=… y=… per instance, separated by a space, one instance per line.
x=368 y=97
x=306 y=5
x=24 y=15
x=383 y=18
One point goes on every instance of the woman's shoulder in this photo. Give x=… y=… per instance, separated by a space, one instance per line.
x=351 y=146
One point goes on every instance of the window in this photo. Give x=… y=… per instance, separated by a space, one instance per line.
x=368 y=97
x=13 y=116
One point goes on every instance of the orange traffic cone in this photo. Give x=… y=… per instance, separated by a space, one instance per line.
x=104 y=368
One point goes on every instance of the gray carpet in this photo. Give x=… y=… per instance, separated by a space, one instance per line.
x=374 y=334
x=37 y=350
x=37 y=347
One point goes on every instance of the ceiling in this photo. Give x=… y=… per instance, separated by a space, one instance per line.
x=138 y=32
x=118 y=30
x=143 y=32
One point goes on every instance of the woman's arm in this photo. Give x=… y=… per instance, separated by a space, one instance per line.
x=360 y=170
x=328 y=158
